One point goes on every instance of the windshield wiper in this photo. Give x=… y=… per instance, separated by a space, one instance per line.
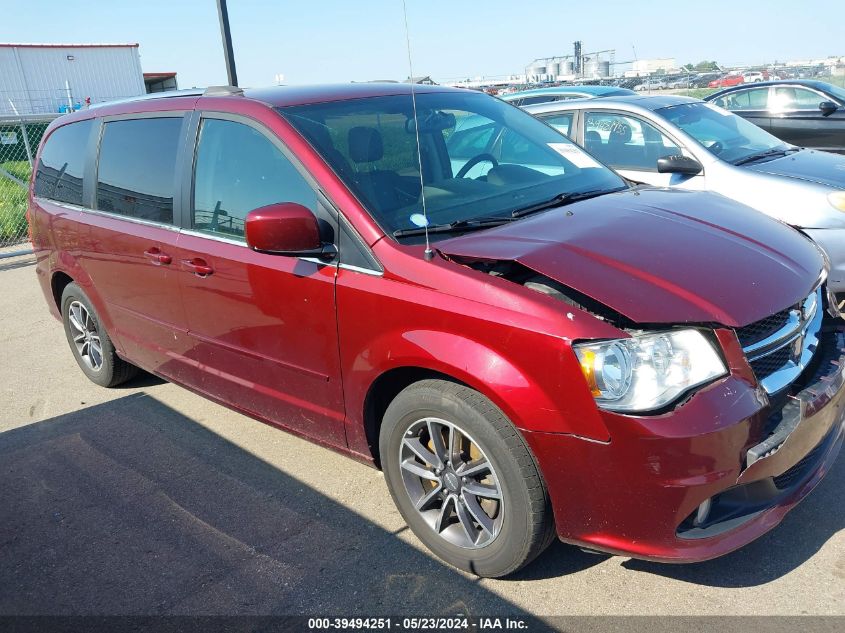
x=458 y=226
x=474 y=224
x=561 y=200
x=765 y=154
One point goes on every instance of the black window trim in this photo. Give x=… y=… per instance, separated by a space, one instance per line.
x=89 y=194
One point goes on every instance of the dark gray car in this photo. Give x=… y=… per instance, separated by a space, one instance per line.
x=802 y=112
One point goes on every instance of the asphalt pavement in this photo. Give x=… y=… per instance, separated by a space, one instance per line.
x=148 y=499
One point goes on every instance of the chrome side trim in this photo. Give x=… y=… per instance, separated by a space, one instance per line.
x=214 y=237
x=365 y=271
x=109 y=214
x=207 y=236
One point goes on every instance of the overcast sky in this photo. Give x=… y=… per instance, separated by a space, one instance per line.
x=343 y=40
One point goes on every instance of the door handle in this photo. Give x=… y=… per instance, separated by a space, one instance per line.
x=155 y=255
x=198 y=266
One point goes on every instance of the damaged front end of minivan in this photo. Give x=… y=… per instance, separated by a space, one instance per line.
x=718 y=425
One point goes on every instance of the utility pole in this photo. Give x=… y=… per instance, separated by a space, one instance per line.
x=226 y=34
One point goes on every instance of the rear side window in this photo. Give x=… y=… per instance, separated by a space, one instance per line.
x=137 y=168
x=238 y=169
x=62 y=163
x=626 y=142
x=754 y=99
x=561 y=121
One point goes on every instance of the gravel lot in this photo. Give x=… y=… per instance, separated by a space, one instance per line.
x=148 y=499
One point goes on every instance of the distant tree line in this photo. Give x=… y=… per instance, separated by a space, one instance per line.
x=702 y=67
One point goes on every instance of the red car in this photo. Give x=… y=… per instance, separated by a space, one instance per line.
x=443 y=286
x=726 y=81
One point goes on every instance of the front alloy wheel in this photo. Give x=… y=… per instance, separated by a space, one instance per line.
x=463 y=478
x=451 y=483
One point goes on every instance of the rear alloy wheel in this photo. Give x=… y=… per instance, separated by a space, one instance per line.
x=86 y=338
x=463 y=478
x=90 y=343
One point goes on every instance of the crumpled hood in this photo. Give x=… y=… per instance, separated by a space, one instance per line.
x=823 y=168
x=660 y=255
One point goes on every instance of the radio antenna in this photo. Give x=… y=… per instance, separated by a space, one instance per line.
x=429 y=254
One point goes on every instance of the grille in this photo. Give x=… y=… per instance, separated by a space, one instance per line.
x=759 y=330
x=783 y=341
x=801 y=469
x=766 y=366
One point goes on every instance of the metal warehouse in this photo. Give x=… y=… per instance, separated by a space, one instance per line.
x=56 y=78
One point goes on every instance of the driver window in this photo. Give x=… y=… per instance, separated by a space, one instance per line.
x=626 y=142
x=237 y=170
x=788 y=98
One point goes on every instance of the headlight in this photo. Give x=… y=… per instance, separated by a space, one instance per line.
x=837 y=200
x=648 y=371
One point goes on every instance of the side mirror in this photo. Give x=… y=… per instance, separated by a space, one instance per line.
x=678 y=165
x=828 y=107
x=286 y=228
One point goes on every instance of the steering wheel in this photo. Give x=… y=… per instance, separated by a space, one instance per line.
x=472 y=162
x=716 y=148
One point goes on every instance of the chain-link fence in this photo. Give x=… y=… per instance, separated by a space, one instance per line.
x=19 y=139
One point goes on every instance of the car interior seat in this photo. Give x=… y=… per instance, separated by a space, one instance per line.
x=379 y=186
x=322 y=140
x=592 y=142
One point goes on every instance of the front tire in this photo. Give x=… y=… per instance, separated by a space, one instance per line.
x=463 y=479
x=90 y=343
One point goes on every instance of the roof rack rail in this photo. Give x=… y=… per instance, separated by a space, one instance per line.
x=223 y=91
x=169 y=94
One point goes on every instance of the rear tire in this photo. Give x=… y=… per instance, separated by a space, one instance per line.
x=442 y=501
x=90 y=343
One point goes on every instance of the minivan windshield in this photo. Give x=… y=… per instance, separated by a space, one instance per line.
x=481 y=159
x=722 y=133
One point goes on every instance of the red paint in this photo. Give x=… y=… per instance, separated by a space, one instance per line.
x=633 y=252
x=300 y=344
x=282 y=227
x=628 y=496
x=727 y=80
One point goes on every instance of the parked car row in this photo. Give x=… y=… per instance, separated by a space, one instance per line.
x=563 y=93
x=737 y=77
x=803 y=112
x=435 y=282
x=675 y=141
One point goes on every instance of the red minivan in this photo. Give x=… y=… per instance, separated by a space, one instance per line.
x=527 y=345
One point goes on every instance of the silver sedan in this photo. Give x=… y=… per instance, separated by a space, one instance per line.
x=675 y=141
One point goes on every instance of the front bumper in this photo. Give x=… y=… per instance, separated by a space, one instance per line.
x=641 y=494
